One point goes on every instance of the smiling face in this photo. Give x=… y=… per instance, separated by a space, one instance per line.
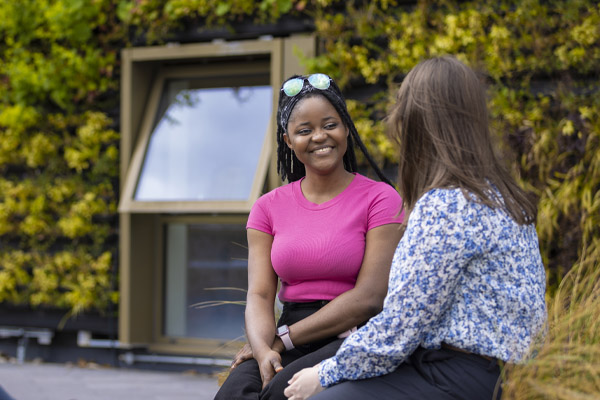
x=317 y=135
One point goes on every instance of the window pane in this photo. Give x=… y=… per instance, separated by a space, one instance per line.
x=206 y=145
x=206 y=264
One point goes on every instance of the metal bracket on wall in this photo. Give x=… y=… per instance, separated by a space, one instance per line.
x=43 y=336
x=85 y=339
x=130 y=358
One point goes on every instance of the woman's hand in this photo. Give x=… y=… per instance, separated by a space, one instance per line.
x=304 y=384
x=244 y=354
x=269 y=364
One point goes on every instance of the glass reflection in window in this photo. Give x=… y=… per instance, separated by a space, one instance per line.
x=206 y=145
x=205 y=281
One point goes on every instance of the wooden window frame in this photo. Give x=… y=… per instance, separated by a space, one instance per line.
x=140 y=240
x=221 y=71
x=163 y=342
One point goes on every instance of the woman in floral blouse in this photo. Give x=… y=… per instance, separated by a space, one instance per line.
x=467 y=282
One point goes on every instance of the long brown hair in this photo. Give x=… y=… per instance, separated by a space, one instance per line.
x=440 y=121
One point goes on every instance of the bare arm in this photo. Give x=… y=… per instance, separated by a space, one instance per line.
x=260 y=318
x=357 y=305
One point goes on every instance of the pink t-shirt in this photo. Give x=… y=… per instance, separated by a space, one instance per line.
x=318 y=248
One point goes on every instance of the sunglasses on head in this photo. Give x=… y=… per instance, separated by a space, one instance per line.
x=295 y=85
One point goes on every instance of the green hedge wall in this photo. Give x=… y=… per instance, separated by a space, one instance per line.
x=58 y=153
x=59 y=90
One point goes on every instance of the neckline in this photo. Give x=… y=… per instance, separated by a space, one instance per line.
x=304 y=202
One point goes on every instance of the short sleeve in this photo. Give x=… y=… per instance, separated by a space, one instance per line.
x=385 y=206
x=260 y=218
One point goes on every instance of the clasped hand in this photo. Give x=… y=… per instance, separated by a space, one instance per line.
x=244 y=354
x=269 y=362
x=303 y=384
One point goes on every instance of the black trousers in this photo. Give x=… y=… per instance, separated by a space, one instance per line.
x=4 y=395
x=244 y=382
x=442 y=374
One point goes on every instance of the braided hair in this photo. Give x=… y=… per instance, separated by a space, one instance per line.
x=288 y=165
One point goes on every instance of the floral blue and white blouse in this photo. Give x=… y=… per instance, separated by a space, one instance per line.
x=464 y=274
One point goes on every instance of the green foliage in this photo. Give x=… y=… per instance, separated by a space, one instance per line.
x=48 y=57
x=69 y=279
x=58 y=153
x=158 y=18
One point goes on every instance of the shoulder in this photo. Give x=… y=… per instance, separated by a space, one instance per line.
x=375 y=188
x=270 y=202
x=275 y=195
x=445 y=222
x=451 y=200
x=459 y=211
x=449 y=205
x=265 y=210
x=380 y=200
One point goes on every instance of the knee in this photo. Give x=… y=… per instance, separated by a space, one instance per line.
x=243 y=382
x=274 y=390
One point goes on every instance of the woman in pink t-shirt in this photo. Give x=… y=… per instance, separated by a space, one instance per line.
x=328 y=237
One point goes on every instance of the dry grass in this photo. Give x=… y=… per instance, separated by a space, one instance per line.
x=567 y=364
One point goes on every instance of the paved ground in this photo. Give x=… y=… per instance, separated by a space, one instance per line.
x=40 y=381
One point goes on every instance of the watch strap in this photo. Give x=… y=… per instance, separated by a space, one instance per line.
x=284 y=334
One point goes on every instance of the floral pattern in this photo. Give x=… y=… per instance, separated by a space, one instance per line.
x=464 y=274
